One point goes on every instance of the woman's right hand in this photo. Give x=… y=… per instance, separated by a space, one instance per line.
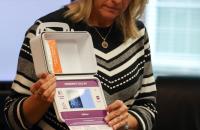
x=44 y=88
x=35 y=106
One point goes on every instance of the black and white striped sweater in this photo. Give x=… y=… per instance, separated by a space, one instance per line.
x=124 y=70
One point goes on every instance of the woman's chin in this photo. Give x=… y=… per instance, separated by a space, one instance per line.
x=109 y=16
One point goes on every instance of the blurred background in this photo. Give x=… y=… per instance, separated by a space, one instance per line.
x=174 y=32
x=16 y=17
x=173 y=27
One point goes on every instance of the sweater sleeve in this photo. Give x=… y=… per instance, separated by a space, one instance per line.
x=144 y=106
x=24 y=78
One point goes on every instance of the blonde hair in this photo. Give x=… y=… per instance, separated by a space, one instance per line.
x=81 y=10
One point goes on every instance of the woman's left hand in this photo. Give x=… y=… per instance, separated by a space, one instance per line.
x=117 y=114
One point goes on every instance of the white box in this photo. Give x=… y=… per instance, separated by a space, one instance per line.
x=79 y=100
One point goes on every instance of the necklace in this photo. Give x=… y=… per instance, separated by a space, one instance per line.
x=104 y=43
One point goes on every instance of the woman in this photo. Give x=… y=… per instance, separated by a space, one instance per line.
x=124 y=67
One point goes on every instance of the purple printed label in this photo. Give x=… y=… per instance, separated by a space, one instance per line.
x=89 y=121
x=76 y=83
x=83 y=114
x=90 y=117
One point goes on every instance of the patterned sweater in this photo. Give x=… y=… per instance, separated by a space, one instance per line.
x=124 y=69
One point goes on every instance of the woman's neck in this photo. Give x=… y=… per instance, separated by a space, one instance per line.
x=98 y=21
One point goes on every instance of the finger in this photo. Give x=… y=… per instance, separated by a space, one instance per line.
x=35 y=86
x=120 y=124
x=48 y=76
x=43 y=75
x=118 y=119
x=114 y=105
x=50 y=79
x=51 y=97
x=49 y=91
x=116 y=113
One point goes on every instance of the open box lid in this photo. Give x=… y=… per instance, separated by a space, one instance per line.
x=69 y=52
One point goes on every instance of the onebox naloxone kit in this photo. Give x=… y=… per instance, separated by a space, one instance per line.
x=79 y=99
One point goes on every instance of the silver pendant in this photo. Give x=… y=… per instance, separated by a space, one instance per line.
x=104 y=44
